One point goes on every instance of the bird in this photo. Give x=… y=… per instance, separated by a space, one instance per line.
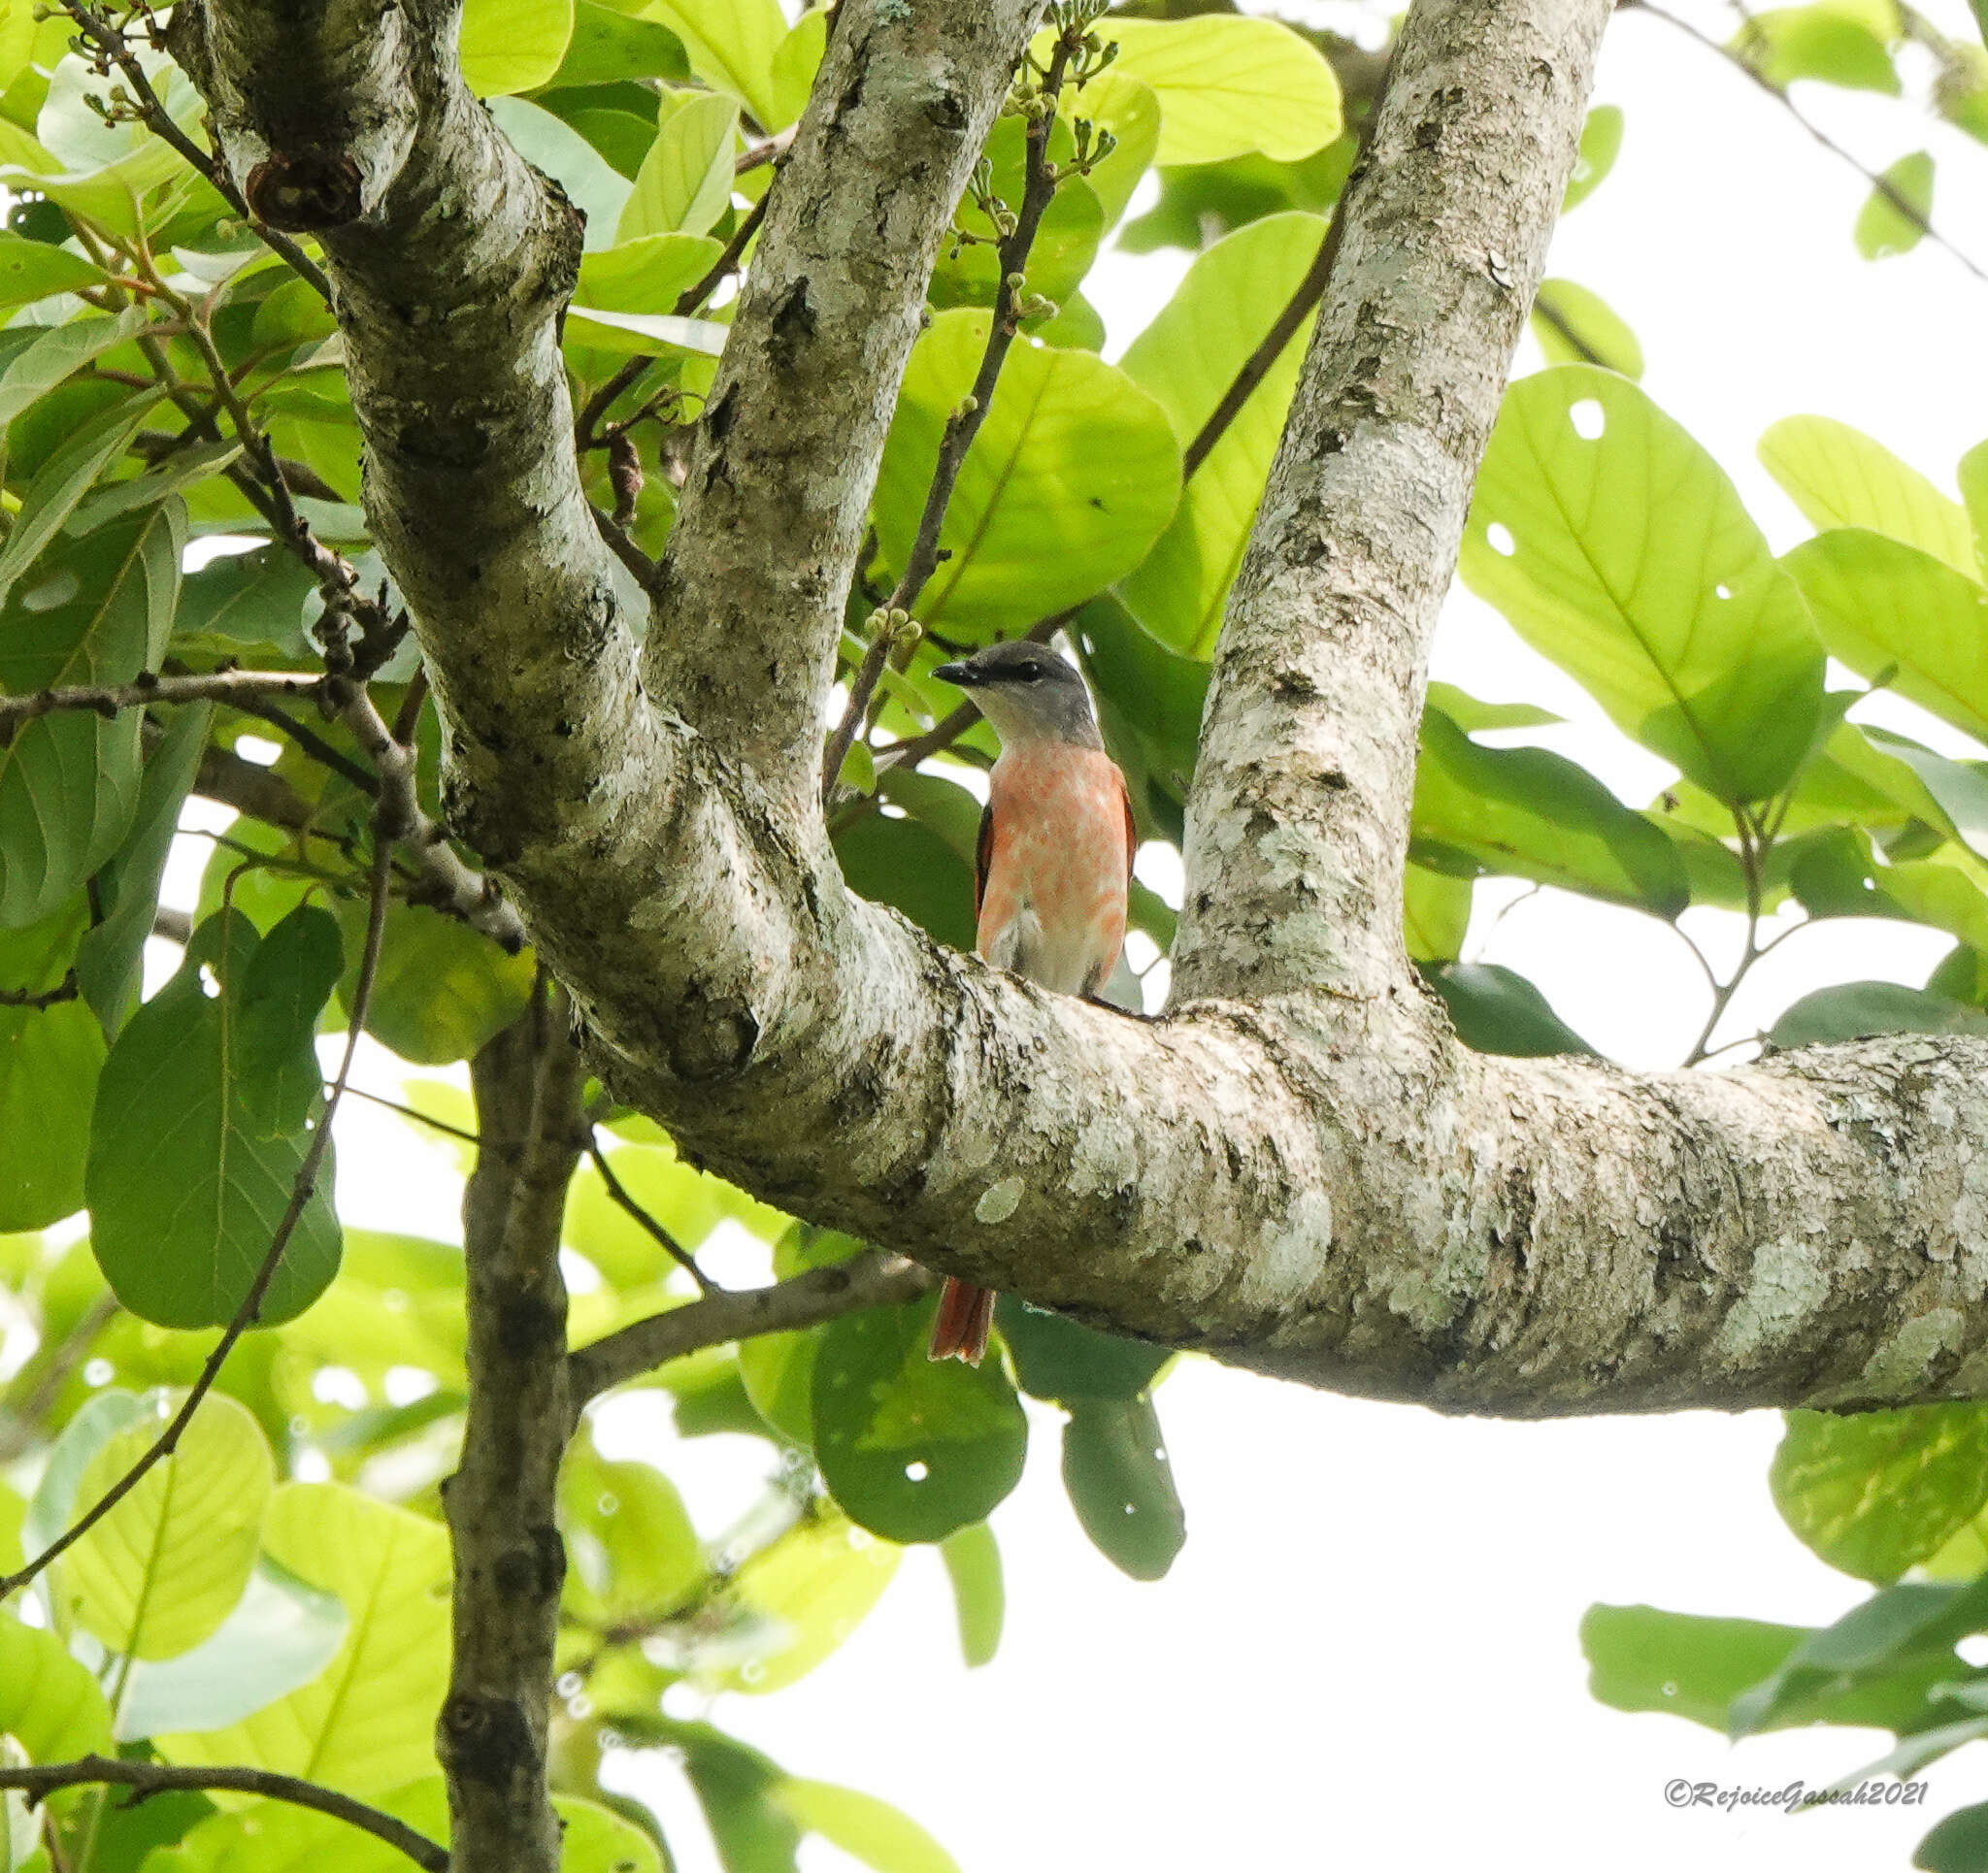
x=1053 y=866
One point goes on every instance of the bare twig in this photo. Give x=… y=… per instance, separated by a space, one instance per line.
x=617 y=1194
x=145 y=1779
x=1880 y=185
x=66 y=990
x=302 y=1187
x=872 y=1279
x=240 y=688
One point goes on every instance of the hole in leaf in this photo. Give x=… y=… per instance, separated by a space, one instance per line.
x=917 y=1473
x=1722 y=591
x=1589 y=419
x=1498 y=537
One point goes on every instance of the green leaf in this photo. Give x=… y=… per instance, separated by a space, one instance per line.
x=513 y=45
x=589 y=181
x=1187 y=359
x=1841 y=477
x=58 y=352
x=1532 y=814
x=1498 y=1011
x=973 y=1563
x=49 y=1060
x=1128 y=107
x=1473 y=715
x=735 y=1787
x=167 y=1566
x=1061 y=1360
x=641 y=275
x=64 y=479
x=794 y=67
x=1065 y=242
x=364 y=1724
x=1883 y=226
x=184 y=1189
x=287 y=982
x=1229 y=83
x=778 y=1374
x=1899 y=616
x=1618 y=549
x=49 y=1703
x=1601 y=143
x=1957 y=1844
x=608 y=46
x=31 y=270
x=805 y=1594
x=1858 y=1010
x=685 y=181
x=907 y=864
x=912 y=1448
x=281 y=1634
x=1641 y=1659
x=1122 y=1486
x=732 y=44
x=95 y=612
x=1876 y=1492
x=108 y=961
x=252 y=597
x=1070 y=479
x=1436 y=915
x=1833 y=43
x=867 y=1830
x=630 y=1543
x=1577 y=326
x=443 y=989
x=595 y=1839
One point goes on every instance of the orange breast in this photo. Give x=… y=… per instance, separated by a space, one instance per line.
x=1053 y=904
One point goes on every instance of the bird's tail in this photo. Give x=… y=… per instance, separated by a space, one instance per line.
x=959 y=1331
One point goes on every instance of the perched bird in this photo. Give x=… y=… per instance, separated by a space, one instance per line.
x=1054 y=866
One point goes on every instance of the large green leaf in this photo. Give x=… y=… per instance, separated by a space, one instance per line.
x=1899 y=615
x=185 y=1182
x=1641 y=1659
x=31 y=270
x=49 y=1703
x=730 y=45
x=1498 y=1011
x=1533 y=814
x=58 y=352
x=1070 y=479
x=906 y=864
x=443 y=989
x=685 y=181
x=49 y=1060
x=1187 y=359
x=912 y=1448
x=1064 y=1361
x=589 y=181
x=166 y=1566
x=513 y=45
x=1229 y=83
x=631 y=1548
x=1617 y=548
x=64 y=480
x=1858 y=1010
x=365 y=1723
x=609 y=45
x=1839 y=476
x=1119 y=1482
x=1876 y=1492
x=109 y=960
x=1576 y=325
x=1833 y=43
x=805 y=1594
x=96 y=611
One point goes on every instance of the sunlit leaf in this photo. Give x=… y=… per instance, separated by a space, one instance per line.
x=686 y=179
x=49 y=1703
x=1229 y=82
x=1601 y=143
x=807 y=1593
x=973 y=1563
x=513 y=45
x=732 y=44
x=1841 y=477
x=589 y=181
x=1577 y=326
x=882 y=1837
x=1894 y=215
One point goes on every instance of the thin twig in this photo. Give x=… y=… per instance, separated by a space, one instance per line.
x=117 y=49
x=66 y=990
x=239 y=687
x=617 y=1193
x=302 y=1187
x=870 y=1279
x=146 y=1779
x=417 y=1114
x=1881 y=185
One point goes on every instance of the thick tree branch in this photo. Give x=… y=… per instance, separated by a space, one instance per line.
x=145 y=1779
x=1298 y=1168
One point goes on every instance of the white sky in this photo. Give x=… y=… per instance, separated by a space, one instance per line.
x=1366 y=1654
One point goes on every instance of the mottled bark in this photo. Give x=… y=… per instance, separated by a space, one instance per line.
x=1298 y=1168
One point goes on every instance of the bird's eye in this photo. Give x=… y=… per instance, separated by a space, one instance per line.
x=1032 y=673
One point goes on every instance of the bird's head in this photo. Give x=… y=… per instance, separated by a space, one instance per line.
x=1028 y=692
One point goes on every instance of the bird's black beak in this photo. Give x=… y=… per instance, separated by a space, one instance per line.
x=961 y=675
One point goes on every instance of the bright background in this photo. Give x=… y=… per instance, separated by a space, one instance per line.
x=1367 y=1654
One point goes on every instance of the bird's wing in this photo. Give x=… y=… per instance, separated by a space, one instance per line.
x=1131 y=830
x=983 y=855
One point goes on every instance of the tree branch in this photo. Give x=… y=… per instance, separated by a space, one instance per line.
x=872 y=1279
x=146 y=1779
x=236 y=687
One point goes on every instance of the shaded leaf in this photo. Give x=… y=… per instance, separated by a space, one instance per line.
x=1061 y=1360
x=1498 y=1011
x=50 y=1061
x=1122 y=1486
x=1858 y=1010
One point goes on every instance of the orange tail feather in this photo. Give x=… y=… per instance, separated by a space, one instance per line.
x=966 y=1314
